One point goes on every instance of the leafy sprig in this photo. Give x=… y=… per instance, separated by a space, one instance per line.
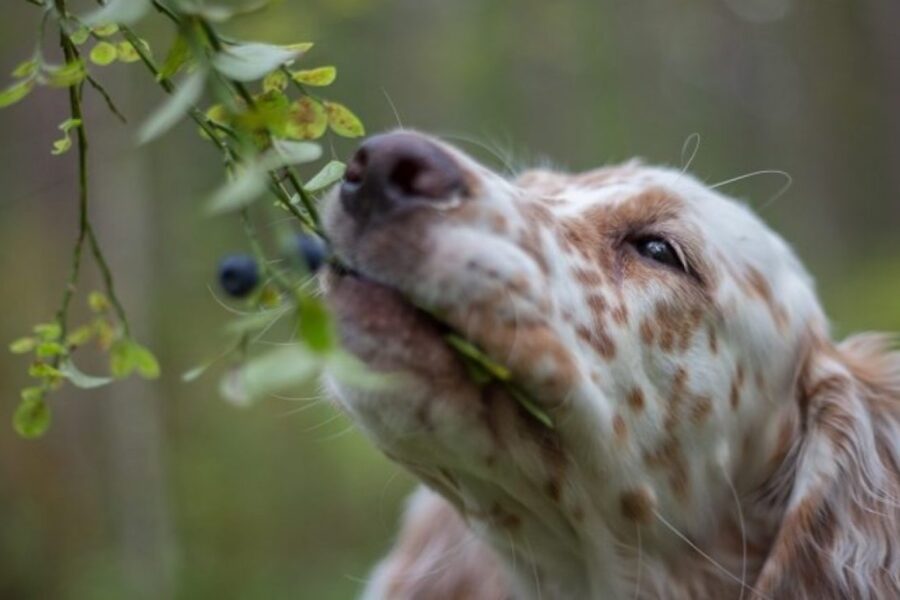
x=261 y=134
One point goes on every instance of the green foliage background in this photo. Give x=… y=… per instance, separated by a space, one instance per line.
x=160 y=489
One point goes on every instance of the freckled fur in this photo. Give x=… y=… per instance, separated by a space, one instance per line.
x=710 y=406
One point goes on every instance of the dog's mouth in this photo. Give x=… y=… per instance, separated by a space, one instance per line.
x=381 y=325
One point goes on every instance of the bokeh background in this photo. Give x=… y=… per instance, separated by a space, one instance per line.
x=162 y=490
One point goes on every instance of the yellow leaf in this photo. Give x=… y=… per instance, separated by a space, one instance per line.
x=320 y=76
x=276 y=81
x=106 y=30
x=103 y=54
x=307 y=120
x=342 y=120
x=302 y=48
x=127 y=53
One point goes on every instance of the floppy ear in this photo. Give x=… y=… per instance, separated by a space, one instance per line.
x=840 y=533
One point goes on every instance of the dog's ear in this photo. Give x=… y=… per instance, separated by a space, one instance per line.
x=840 y=534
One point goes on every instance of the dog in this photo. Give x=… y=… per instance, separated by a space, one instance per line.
x=707 y=438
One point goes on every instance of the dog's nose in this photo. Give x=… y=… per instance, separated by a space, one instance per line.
x=396 y=171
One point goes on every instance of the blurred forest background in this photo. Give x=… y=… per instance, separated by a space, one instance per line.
x=161 y=489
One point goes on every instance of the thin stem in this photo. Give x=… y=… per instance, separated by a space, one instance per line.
x=75 y=269
x=107 y=98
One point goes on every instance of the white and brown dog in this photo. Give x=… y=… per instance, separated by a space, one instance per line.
x=709 y=439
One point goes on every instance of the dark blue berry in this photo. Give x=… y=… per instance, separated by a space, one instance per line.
x=238 y=274
x=313 y=251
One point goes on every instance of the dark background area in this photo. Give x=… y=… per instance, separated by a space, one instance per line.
x=162 y=489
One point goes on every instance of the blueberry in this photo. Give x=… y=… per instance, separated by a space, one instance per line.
x=313 y=251
x=238 y=274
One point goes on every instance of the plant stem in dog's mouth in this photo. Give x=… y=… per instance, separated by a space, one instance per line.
x=482 y=369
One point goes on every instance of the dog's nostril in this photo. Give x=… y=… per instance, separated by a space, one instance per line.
x=356 y=168
x=410 y=176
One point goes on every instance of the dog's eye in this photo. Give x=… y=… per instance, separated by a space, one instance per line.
x=659 y=250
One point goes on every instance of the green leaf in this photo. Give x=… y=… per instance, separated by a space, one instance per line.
x=98 y=302
x=277 y=370
x=44 y=371
x=145 y=361
x=63 y=144
x=124 y=12
x=48 y=331
x=23 y=345
x=164 y=117
x=276 y=81
x=106 y=30
x=342 y=120
x=80 y=336
x=127 y=356
x=80 y=36
x=121 y=364
x=26 y=68
x=15 y=92
x=32 y=417
x=348 y=369
x=127 y=53
x=327 y=176
x=318 y=77
x=49 y=349
x=252 y=61
x=103 y=53
x=314 y=325
x=82 y=380
x=178 y=56
x=67 y=75
x=195 y=373
x=307 y=120
x=240 y=191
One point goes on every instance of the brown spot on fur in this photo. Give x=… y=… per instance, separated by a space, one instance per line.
x=646 y=332
x=620 y=314
x=713 y=339
x=734 y=396
x=499 y=223
x=676 y=325
x=620 y=429
x=599 y=341
x=636 y=399
x=531 y=243
x=589 y=277
x=701 y=410
x=669 y=457
x=552 y=489
x=597 y=305
x=500 y=517
x=759 y=286
x=637 y=505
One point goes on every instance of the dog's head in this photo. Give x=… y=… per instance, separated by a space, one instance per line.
x=662 y=327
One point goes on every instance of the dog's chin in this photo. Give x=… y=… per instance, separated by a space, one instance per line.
x=386 y=331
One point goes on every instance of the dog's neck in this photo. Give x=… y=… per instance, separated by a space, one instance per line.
x=548 y=554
